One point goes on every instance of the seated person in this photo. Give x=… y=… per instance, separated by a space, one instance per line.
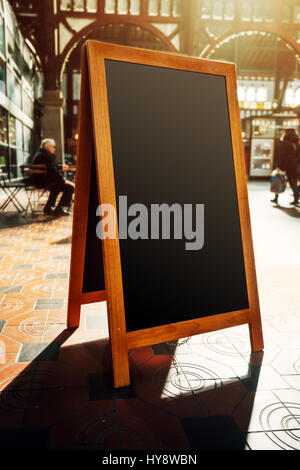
x=52 y=180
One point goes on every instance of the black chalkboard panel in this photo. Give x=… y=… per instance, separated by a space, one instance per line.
x=93 y=276
x=171 y=143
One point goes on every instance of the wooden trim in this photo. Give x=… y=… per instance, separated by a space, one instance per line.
x=106 y=194
x=161 y=334
x=253 y=316
x=91 y=297
x=81 y=200
x=157 y=58
x=120 y=340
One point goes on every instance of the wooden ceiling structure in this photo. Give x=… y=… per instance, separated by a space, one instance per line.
x=261 y=36
x=191 y=27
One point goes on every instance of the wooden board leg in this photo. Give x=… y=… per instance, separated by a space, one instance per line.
x=121 y=371
x=81 y=202
x=73 y=317
x=256 y=336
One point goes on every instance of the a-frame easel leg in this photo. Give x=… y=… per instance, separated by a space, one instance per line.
x=81 y=203
x=256 y=336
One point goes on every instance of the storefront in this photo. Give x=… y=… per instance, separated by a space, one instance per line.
x=261 y=136
x=18 y=86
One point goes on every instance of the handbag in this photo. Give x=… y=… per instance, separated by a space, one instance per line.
x=278 y=183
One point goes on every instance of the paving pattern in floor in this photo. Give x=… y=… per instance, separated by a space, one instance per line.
x=210 y=392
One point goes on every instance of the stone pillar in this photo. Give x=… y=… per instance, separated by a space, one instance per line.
x=52 y=121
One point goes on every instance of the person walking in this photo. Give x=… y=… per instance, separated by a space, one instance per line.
x=288 y=161
x=52 y=180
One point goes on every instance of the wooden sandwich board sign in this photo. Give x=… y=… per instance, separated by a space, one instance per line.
x=160 y=138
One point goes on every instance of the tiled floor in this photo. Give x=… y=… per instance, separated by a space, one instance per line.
x=209 y=393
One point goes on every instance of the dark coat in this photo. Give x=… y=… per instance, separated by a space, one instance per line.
x=43 y=157
x=289 y=156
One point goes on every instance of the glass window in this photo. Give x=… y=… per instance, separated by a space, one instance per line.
x=78 y=5
x=218 y=10
x=269 y=12
x=76 y=86
x=229 y=11
x=13 y=49
x=297 y=96
x=14 y=89
x=109 y=6
x=28 y=143
x=2 y=47
x=261 y=94
x=286 y=14
x=289 y=96
x=153 y=7
x=241 y=93
x=28 y=104
x=123 y=7
x=3 y=126
x=28 y=140
x=258 y=12
x=15 y=132
x=27 y=65
x=296 y=14
x=176 y=7
x=2 y=77
x=3 y=159
x=246 y=12
x=135 y=7
x=8 y=16
x=165 y=7
x=206 y=9
x=65 y=5
x=16 y=146
x=250 y=95
x=92 y=5
x=16 y=159
x=12 y=23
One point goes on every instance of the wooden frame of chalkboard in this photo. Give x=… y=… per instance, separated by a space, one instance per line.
x=97 y=266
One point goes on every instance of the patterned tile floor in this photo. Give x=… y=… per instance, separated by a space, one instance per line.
x=208 y=393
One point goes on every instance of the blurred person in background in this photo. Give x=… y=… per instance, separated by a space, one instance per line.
x=289 y=157
x=52 y=180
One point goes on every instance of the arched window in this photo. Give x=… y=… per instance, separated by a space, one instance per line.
x=229 y=11
x=246 y=12
x=286 y=14
x=218 y=10
x=206 y=9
